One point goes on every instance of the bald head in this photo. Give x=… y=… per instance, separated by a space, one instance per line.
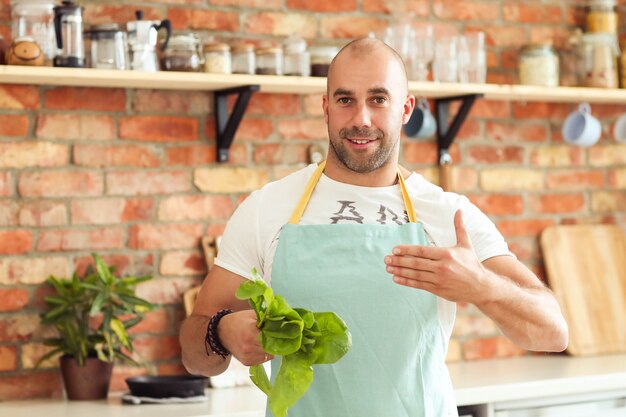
x=368 y=47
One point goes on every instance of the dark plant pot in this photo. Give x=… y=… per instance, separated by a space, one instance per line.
x=90 y=382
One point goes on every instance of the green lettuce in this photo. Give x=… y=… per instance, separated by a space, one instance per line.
x=303 y=338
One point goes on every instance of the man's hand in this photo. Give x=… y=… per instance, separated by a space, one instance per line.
x=239 y=334
x=453 y=273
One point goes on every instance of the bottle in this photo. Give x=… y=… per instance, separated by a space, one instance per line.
x=296 y=58
x=217 y=58
x=602 y=17
x=539 y=65
x=243 y=59
x=269 y=61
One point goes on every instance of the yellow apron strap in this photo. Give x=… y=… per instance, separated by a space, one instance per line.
x=306 y=195
x=308 y=190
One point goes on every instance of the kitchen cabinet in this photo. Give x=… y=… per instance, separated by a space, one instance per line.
x=529 y=386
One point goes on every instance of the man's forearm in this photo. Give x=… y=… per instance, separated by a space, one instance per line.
x=530 y=317
x=194 y=352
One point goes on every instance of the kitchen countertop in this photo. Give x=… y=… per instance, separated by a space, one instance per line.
x=476 y=382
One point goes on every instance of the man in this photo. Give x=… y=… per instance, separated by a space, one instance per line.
x=379 y=245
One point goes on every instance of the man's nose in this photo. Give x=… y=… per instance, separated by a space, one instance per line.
x=362 y=116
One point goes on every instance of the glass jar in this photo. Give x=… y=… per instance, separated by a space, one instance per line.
x=182 y=54
x=598 y=60
x=217 y=58
x=321 y=57
x=602 y=17
x=538 y=65
x=243 y=61
x=269 y=61
x=296 y=58
x=35 y=19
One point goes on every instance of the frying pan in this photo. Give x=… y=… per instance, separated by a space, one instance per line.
x=165 y=386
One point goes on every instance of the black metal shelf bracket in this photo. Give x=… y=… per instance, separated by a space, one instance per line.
x=446 y=132
x=225 y=125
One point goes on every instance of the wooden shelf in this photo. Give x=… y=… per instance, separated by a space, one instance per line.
x=288 y=85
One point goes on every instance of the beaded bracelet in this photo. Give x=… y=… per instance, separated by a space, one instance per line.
x=212 y=340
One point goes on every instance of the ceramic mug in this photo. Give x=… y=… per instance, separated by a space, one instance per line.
x=619 y=129
x=422 y=123
x=581 y=128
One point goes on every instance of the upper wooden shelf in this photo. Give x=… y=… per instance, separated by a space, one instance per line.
x=288 y=85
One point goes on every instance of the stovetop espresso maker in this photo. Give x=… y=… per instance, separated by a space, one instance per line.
x=68 y=27
x=142 y=42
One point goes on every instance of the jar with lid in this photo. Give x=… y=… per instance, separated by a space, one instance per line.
x=296 y=58
x=217 y=58
x=321 y=57
x=243 y=61
x=182 y=54
x=269 y=61
x=538 y=65
x=602 y=17
x=598 y=60
x=35 y=19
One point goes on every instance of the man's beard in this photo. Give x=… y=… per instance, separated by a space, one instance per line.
x=359 y=164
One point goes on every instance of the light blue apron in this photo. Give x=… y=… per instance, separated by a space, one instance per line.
x=396 y=366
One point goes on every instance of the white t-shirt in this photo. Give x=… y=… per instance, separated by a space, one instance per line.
x=251 y=236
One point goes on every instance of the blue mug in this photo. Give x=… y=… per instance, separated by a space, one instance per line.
x=422 y=123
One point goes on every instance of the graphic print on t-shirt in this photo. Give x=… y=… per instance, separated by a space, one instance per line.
x=348 y=213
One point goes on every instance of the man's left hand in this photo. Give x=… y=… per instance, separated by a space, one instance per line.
x=454 y=273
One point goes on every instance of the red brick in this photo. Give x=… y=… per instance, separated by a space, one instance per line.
x=250 y=129
x=540 y=110
x=13 y=125
x=31 y=385
x=60 y=184
x=88 y=98
x=111 y=210
x=13 y=299
x=183 y=264
x=491 y=109
x=172 y=102
x=557 y=203
x=169 y=236
x=322 y=5
x=498 y=204
x=166 y=290
x=303 y=129
x=8 y=358
x=159 y=128
x=350 y=26
x=5 y=11
x=501 y=77
x=195 y=207
x=465 y=10
x=495 y=154
x=496 y=347
x=606 y=156
x=608 y=110
x=75 y=127
x=116 y=155
x=19 y=97
x=281 y=24
x=43 y=214
x=156 y=321
x=524 y=248
x=137 y=265
x=576 y=180
x=471 y=129
x=463 y=179
x=274 y=104
x=204 y=19
x=101 y=13
x=510 y=59
x=532 y=13
x=147 y=182
x=24 y=270
x=172 y=369
x=192 y=155
x=313 y=104
x=249 y=4
x=157 y=348
x=68 y=240
x=13 y=242
x=33 y=154
x=275 y=153
x=559 y=36
x=419 y=152
x=421 y=8
x=8 y=213
x=516 y=132
x=19 y=328
x=528 y=227
x=502 y=35
x=6 y=184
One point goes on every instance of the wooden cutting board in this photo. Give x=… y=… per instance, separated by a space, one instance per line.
x=586 y=267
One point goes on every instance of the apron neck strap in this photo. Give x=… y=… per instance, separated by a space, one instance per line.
x=308 y=191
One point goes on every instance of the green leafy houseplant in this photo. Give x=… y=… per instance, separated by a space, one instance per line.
x=92 y=315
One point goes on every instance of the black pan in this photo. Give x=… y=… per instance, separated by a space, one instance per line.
x=165 y=386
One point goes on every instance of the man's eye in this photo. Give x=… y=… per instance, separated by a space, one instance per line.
x=344 y=100
x=379 y=100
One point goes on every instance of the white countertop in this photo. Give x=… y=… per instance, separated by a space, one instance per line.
x=477 y=382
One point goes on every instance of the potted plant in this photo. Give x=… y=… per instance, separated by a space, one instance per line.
x=92 y=316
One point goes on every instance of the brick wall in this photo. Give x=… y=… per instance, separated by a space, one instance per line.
x=130 y=173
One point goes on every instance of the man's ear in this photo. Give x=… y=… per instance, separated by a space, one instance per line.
x=325 y=107
x=409 y=105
